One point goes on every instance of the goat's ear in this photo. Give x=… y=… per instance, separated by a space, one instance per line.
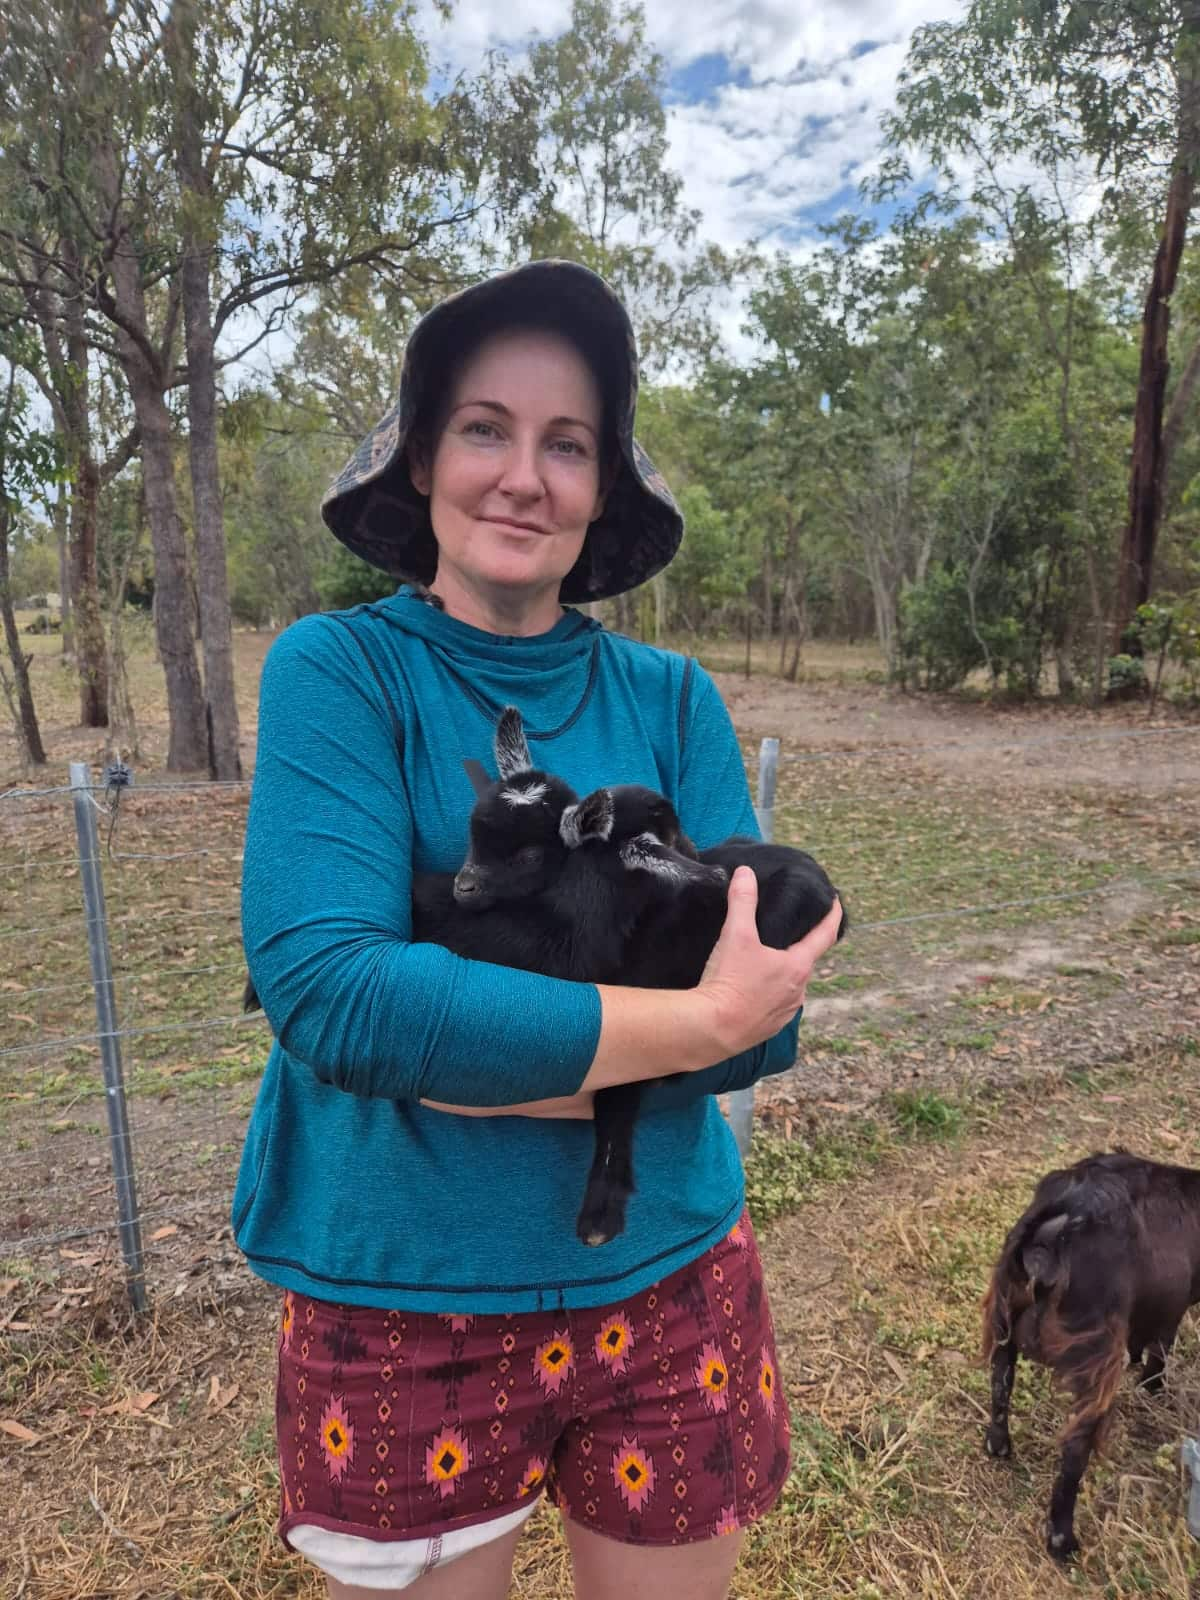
x=592 y=818
x=512 y=752
x=645 y=852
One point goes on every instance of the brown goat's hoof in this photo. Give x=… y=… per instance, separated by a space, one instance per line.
x=1062 y=1546
x=997 y=1445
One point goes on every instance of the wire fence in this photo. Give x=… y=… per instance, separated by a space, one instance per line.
x=127 y=1069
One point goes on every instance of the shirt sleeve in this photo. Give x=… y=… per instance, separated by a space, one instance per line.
x=327 y=917
x=714 y=802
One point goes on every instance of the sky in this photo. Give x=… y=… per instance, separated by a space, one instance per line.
x=773 y=106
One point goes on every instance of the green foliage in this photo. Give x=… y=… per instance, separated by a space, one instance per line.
x=608 y=197
x=343 y=580
x=1169 y=629
x=928 y=1114
x=1126 y=677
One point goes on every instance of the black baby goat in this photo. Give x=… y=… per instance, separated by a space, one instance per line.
x=603 y=890
x=1103 y=1263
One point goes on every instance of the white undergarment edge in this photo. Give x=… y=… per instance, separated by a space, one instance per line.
x=395 y=1563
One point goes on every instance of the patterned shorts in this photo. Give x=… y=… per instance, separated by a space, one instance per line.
x=656 y=1421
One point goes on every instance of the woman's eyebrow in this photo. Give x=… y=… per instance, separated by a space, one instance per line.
x=504 y=411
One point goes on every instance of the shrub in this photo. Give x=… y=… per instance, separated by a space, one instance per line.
x=1126 y=678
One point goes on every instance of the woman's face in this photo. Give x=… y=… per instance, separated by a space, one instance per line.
x=514 y=478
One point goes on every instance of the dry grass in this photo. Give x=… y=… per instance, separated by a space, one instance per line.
x=152 y=1475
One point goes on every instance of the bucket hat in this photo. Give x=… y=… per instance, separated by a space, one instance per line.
x=372 y=505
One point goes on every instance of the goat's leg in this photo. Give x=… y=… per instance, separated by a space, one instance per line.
x=610 y=1182
x=997 y=1440
x=1077 y=1450
x=1157 y=1350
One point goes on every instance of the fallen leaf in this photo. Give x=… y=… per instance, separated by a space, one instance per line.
x=165 y=1232
x=895 y=1366
x=131 y=1406
x=21 y=1016
x=219 y=1398
x=19 y=1431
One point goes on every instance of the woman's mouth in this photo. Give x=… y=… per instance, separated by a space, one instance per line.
x=519 y=527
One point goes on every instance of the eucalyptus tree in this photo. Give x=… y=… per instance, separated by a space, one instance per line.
x=608 y=195
x=192 y=172
x=1110 y=91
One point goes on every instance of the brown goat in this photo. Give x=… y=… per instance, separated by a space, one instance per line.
x=1103 y=1263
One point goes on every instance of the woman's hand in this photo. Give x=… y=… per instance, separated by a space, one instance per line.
x=573 y=1107
x=753 y=990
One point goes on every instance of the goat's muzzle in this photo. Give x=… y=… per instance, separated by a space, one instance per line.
x=468 y=886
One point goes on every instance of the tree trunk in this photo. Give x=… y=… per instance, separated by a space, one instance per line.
x=1177 y=411
x=61 y=539
x=27 y=723
x=208 y=526
x=1135 y=573
x=89 y=626
x=74 y=389
x=187 y=748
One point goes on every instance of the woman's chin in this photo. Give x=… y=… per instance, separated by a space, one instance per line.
x=523 y=569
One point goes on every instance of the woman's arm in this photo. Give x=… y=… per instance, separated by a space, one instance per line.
x=327 y=913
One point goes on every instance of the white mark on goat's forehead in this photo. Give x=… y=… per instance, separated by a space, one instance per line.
x=529 y=796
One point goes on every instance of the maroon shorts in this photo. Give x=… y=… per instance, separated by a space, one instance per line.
x=659 y=1420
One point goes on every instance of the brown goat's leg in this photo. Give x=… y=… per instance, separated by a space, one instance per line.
x=997 y=1440
x=1077 y=1449
x=1157 y=1350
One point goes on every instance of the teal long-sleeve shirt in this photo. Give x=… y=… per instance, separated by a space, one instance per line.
x=349 y=1189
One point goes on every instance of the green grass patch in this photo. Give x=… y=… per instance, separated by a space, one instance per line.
x=927 y=1114
x=781 y=1174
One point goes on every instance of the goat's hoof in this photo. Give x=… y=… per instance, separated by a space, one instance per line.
x=1062 y=1546
x=997 y=1444
x=601 y=1219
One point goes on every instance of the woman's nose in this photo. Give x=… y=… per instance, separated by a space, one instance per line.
x=522 y=474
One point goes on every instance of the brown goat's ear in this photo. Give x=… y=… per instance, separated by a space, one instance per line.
x=512 y=752
x=592 y=818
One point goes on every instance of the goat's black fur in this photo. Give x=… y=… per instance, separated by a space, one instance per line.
x=1103 y=1263
x=669 y=949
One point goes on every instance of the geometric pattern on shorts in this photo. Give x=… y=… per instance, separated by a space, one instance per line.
x=657 y=1420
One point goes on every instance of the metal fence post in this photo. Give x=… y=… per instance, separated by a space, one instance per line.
x=106 y=1028
x=741 y=1103
x=1191 y=1461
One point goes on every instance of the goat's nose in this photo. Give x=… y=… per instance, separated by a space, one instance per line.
x=466 y=883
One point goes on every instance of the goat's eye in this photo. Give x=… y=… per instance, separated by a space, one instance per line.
x=530 y=855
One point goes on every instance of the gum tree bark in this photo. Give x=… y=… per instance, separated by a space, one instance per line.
x=1149 y=453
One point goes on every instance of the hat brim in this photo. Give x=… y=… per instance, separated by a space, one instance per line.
x=374 y=508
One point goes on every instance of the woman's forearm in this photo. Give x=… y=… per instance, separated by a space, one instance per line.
x=646 y=1033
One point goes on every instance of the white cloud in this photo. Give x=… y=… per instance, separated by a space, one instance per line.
x=798 y=125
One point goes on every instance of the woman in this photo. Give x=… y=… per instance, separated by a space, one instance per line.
x=420 y=1141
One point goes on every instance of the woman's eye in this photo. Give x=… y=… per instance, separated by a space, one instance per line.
x=482 y=430
x=568 y=447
